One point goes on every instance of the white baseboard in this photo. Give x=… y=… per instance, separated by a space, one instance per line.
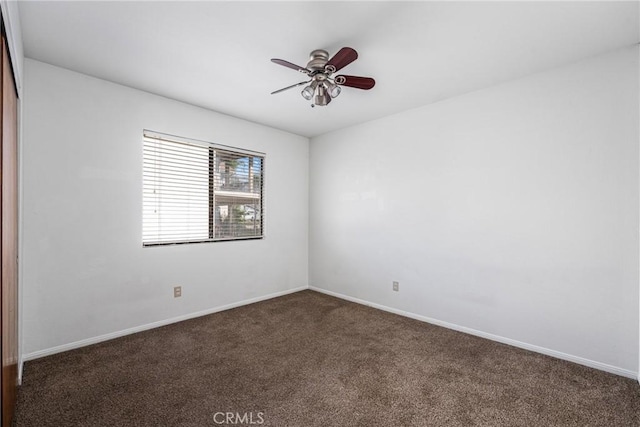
x=546 y=351
x=20 y=365
x=553 y=353
x=117 y=334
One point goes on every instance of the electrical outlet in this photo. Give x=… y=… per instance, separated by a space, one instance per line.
x=396 y=286
x=177 y=291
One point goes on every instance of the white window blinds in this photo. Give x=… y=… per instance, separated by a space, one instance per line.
x=195 y=191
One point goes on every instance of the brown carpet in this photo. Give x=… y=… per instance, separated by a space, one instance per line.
x=307 y=359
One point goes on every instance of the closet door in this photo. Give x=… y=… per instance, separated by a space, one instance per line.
x=9 y=239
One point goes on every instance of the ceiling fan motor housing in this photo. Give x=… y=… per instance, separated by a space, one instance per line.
x=318 y=59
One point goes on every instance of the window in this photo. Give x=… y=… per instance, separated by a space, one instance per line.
x=195 y=191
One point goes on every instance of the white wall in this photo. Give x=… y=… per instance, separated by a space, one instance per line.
x=511 y=211
x=85 y=272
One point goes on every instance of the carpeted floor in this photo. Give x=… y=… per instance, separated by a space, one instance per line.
x=307 y=359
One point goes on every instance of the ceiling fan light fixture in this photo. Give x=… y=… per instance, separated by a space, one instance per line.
x=333 y=89
x=307 y=92
x=322 y=98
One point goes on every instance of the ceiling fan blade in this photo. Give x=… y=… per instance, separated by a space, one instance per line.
x=365 y=83
x=344 y=57
x=289 y=87
x=290 y=65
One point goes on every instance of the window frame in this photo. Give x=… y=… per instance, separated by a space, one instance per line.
x=212 y=192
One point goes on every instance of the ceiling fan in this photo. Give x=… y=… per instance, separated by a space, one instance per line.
x=322 y=86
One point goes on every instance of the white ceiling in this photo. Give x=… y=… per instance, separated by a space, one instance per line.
x=216 y=54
